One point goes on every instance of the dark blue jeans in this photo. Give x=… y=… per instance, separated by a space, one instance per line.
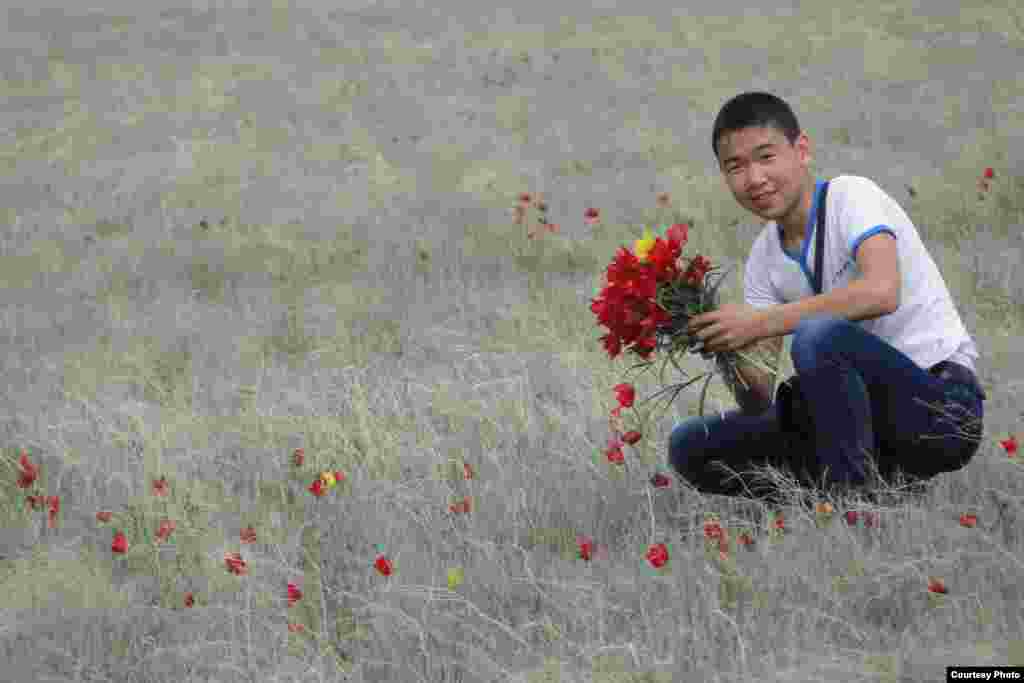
x=853 y=396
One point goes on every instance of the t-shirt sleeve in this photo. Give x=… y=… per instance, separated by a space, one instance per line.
x=757 y=286
x=863 y=213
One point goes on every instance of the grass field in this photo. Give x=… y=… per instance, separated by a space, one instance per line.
x=230 y=233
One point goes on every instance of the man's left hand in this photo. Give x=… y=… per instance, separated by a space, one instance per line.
x=731 y=327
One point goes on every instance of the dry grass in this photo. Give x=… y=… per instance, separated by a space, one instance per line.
x=206 y=351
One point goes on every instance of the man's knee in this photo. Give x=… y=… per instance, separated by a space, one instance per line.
x=686 y=445
x=811 y=332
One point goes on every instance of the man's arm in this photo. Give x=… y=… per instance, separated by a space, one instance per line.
x=758 y=398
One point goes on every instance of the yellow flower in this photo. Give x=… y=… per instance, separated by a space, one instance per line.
x=328 y=479
x=455 y=577
x=644 y=246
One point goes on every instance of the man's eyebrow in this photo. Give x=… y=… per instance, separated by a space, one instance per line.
x=756 y=149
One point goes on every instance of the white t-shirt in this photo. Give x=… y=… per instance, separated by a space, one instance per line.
x=926 y=327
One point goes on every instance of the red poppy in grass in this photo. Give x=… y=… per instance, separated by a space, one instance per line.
x=989 y=173
x=524 y=199
x=35 y=501
x=586 y=545
x=294 y=594
x=339 y=476
x=625 y=394
x=296 y=628
x=189 y=600
x=657 y=555
x=968 y=520
x=713 y=529
x=383 y=565
x=1010 y=445
x=160 y=486
x=28 y=472
x=298 y=457
x=464 y=505
x=631 y=437
x=166 y=527
x=779 y=524
x=120 y=544
x=317 y=487
x=851 y=517
x=104 y=515
x=660 y=481
x=54 y=503
x=591 y=216
x=248 y=535
x=936 y=585
x=235 y=563
x=614 y=452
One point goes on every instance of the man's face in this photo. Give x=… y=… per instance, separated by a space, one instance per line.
x=755 y=161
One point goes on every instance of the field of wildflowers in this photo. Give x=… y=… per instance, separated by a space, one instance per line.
x=302 y=382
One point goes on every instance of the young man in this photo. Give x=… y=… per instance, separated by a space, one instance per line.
x=884 y=365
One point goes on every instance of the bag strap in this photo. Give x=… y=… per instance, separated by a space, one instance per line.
x=819 y=251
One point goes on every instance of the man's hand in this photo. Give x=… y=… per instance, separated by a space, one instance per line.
x=731 y=327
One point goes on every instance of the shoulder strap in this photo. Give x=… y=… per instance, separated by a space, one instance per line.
x=819 y=250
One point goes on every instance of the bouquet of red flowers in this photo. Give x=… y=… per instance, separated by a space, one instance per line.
x=647 y=304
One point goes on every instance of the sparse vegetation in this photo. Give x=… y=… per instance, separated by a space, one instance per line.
x=391 y=361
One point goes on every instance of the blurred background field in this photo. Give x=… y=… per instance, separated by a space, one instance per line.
x=231 y=231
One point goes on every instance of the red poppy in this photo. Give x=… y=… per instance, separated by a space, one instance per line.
x=657 y=555
x=936 y=585
x=779 y=523
x=660 y=481
x=54 y=503
x=120 y=544
x=625 y=394
x=851 y=517
x=591 y=216
x=298 y=457
x=160 y=486
x=28 y=472
x=989 y=173
x=235 y=563
x=631 y=437
x=189 y=600
x=383 y=565
x=463 y=505
x=524 y=198
x=614 y=452
x=248 y=535
x=317 y=487
x=294 y=594
x=296 y=628
x=586 y=545
x=104 y=515
x=166 y=527
x=339 y=476
x=713 y=529
x=968 y=520
x=1010 y=445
